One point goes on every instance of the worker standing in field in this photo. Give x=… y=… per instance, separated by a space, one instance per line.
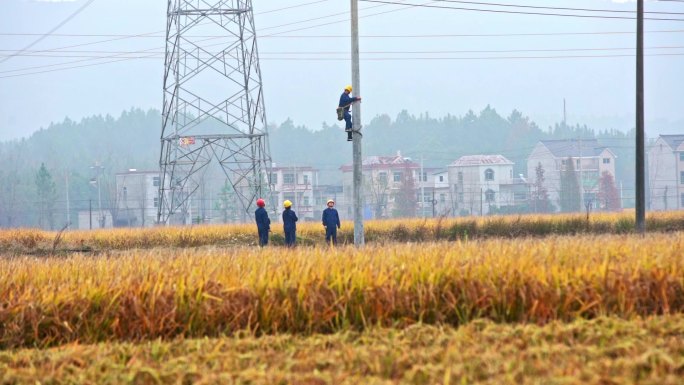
x=343 y=110
x=289 y=224
x=263 y=222
x=331 y=222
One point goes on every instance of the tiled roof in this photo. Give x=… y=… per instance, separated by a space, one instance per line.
x=373 y=160
x=574 y=148
x=478 y=160
x=673 y=140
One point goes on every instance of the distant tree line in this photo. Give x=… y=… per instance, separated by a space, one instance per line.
x=36 y=170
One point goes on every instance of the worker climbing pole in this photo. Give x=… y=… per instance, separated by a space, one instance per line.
x=343 y=111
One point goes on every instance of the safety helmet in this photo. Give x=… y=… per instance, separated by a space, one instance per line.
x=331 y=201
x=261 y=202
x=287 y=204
x=348 y=88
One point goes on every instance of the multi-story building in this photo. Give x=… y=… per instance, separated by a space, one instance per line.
x=137 y=198
x=442 y=199
x=666 y=173
x=297 y=185
x=482 y=184
x=589 y=158
x=392 y=187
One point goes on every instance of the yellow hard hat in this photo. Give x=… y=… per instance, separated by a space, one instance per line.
x=287 y=204
x=331 y=201
x=348 y=88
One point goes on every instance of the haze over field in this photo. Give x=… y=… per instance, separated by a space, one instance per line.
x=111 y=59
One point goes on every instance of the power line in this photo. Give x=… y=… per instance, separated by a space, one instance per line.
x=314 y=59
x=291 y=7
x=121 y=38
x=124 y=37
x=347 y=20
x=148 y=35
x=517 y=12
x=555 y=8
x=94 y=56
x=472 y=35
x=58 y=26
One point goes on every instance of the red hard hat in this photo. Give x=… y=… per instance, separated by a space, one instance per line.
x=261 y=202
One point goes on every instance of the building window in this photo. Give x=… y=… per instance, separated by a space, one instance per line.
x=442 y=198
x=489 y=174
x=682 y=202
x=681 y=177
x=288 y=178
x=397 y=176
x=274 y=178
x=441 y=178
x=423 y=176
x=156 y=181
x=125 y=193
x=306 y=179
x=606 y=160
x=460 y=177
x=156 y=202
x=489 y=196
x=305 y=201
x=681 y=156
x=519 y=196
x=382 y=177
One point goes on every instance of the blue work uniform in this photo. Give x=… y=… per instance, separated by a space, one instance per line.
x=346 y=102
x=331 y=221
x=290 y=226
x=263 y=225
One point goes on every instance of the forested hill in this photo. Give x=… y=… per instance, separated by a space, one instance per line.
x=132 y=141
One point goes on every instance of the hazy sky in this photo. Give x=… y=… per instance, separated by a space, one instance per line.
x=418 y=64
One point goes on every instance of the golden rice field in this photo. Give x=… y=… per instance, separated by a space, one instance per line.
x=604 y=351
x=167 y=293
x=495 y=300
x=23 y=241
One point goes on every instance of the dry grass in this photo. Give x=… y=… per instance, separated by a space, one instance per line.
x=28 y=241
x=604 y=351
x=167 y=293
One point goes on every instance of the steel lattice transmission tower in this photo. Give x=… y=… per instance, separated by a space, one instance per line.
x=213 y=106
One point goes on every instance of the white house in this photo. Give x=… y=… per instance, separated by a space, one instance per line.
x=443 y=200
x=590 y=161
x=482 y=183
x=137 y=198
x=295 y=184
x=386 y=178
x=666 y=173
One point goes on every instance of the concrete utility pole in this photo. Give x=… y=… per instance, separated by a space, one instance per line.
x=422 y=188
x=640 y=173
x=359 y=239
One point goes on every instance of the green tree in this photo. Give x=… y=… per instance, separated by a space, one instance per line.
x=569 y=188
x=46 y=190
x=540 y=195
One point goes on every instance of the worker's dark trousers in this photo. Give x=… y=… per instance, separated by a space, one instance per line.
x=331 y=234
x=348 y=121
x=263 y=237
x=290 y=237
